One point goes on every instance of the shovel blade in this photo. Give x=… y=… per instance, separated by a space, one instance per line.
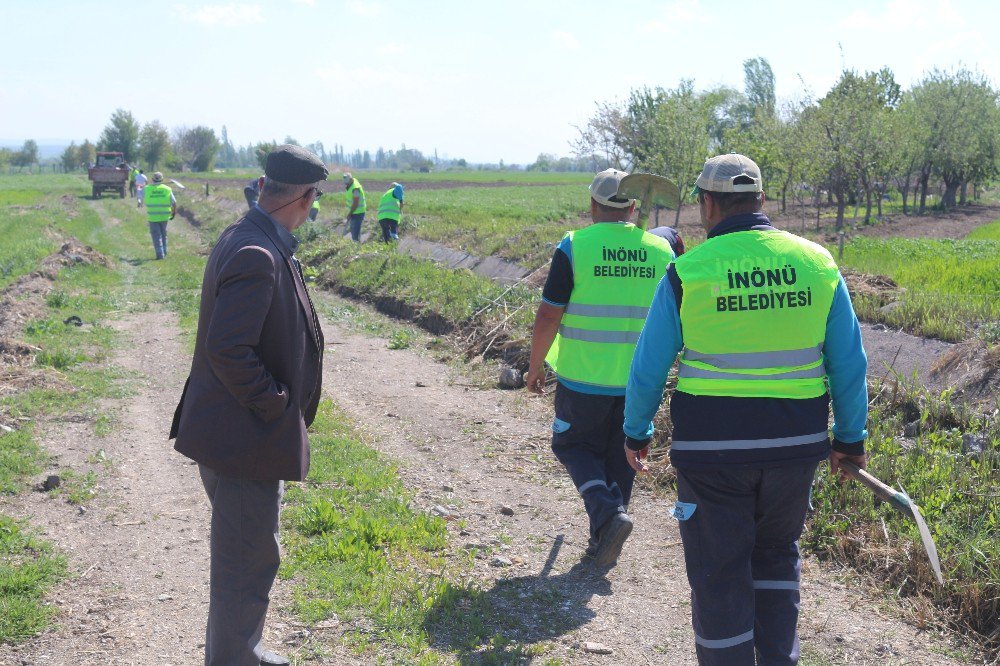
x=651 y=190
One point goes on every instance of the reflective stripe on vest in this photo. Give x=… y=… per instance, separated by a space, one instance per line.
x=616 y=268
x=388 y=207
x=156 y=198
x=349 y=197
x=754 y=315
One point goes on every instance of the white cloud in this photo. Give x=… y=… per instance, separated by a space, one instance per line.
x=565 y=40
x=676 y=17
x=391 y=48
x=307 y=3
x=232 y=14
x=365 y=8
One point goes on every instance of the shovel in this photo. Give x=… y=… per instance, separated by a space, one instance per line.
x=901 y=502
x=651 y=190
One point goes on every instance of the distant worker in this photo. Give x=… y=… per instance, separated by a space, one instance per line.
x=314 y=209
x=133 y=172
x=594 y=303
x=252 y=191
x=161 y=207
x=672 y=236
x=354 y=194
x=140 y=185
x=390 y=210
x=767 y=336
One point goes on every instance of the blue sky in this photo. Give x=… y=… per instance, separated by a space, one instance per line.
x=485 y=81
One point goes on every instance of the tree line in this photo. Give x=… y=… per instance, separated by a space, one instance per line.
x=864 y=137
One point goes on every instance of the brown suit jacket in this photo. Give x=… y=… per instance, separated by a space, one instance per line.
x=258 y=358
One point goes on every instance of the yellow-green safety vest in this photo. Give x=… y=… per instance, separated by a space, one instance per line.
x=133 y=174
x=754 y=314
x=157 y=201
x=616 y=268
x=349 y=196
x=388 y=207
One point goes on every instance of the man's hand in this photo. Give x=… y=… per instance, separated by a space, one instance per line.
x=534 y=380
x=835 y=468
x=636 y=459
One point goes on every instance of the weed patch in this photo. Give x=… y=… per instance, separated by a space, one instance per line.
x=27 y=570
x=948 y=460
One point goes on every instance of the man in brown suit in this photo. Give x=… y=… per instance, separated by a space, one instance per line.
x=253 y=390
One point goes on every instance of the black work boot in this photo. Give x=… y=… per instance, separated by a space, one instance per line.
x=611 y=537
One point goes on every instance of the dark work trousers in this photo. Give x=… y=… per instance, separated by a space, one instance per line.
x=386 y=225
x=588 y=440
x=245 y=558
x=355 y=225
x=740 y=530
x=394 y=229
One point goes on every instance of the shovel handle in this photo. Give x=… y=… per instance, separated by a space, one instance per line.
x=896 y=499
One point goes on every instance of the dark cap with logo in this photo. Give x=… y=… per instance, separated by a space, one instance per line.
x=294 y=165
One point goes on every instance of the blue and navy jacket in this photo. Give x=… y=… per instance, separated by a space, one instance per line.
x=747 y=432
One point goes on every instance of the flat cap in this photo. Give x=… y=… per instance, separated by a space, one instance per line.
x=294 y=165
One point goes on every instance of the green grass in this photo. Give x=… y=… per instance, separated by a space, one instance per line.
x=20 y=459
x=987 y=232
x=440 y=297
x=354 y=545
x=520 y=224
x=956 y=492
x=28 y=568
x=952 y=288
x=355 y=548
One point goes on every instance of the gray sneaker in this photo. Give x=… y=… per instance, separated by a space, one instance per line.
x=611 y=538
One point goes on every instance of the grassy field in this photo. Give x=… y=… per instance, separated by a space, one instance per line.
x=952 y=288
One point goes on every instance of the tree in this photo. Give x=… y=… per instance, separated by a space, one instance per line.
x=227 y=152
x=680 y=135
x=121 y=135
x=86 y=154
x=68 y=157
x=261 y=151
x=758 y=78
x=154 y=143
x=27 y=156
x=197 y=146
x=958 y=116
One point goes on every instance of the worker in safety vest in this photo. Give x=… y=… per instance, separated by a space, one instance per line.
x=390 y=210
x=767 y=337
x=131 y=180
x=594 y=303
x=354 y=195
x=314 y=210
x=161 y=206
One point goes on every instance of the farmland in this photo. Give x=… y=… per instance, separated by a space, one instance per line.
x=348 y=563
